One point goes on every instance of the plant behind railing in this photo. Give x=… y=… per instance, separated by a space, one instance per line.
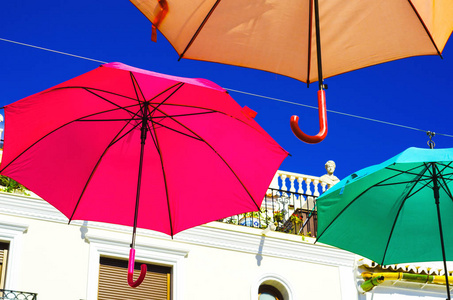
x=11 y=186
x=285 y=211
x=289 y=205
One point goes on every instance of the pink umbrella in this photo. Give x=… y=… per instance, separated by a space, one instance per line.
x=132 y=147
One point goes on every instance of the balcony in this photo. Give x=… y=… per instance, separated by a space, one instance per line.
x=17 y=295
x=289 y=205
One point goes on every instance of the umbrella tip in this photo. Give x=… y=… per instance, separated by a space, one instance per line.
x=249 y=112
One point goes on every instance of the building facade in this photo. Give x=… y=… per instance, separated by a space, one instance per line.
x=45 y=258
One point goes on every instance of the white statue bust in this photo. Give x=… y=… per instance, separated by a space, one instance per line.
x=329 y=178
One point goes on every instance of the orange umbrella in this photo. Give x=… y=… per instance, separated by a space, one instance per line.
x=285 y=37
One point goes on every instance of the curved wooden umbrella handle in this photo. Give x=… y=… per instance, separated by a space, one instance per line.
x=130 y=271
x=313 y=139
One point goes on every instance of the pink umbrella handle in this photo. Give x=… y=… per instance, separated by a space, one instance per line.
x=313 y=139
x=130 y=271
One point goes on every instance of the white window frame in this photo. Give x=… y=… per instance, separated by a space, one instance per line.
x=117 y=248
x=12 y=233
x=274 y=280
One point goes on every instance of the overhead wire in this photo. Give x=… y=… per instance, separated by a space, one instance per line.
x=335 y=112
x=242 y=92
x=50 y=50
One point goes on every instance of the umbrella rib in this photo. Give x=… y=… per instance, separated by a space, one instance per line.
x=136 y=85
x=341 y=212
x=112 y=142
x=188 y=115
x=408 y=194
x=352 y=201
x=212 y=148
x=111 y=102
x=400 y=182
x=199 y=29
x=208 y=110
x=177 y=86
x=181 y=84
x=400 y=172
x=410 y=171
x=106 y=120
x=84 y=118
x=424 y=27
x=155 y=139
x=443 y=183
x=138 y=119
x=91 y=90
x=418 y=190
x=125 y=134
x=49 y=133
x=445 y=187
x=177 y=131
x=156 y=143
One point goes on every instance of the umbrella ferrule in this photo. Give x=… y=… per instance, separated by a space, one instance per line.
x=144 y=132
x=436 y=194
x=435 y=185
x=145 y=119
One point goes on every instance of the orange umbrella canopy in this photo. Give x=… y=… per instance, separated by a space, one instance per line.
x=286 y=37
x=279 y=36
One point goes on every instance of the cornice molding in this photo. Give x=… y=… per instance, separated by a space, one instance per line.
x=214 y=234
x=276 y=244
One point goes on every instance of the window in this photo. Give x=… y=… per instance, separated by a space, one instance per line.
x=11 y=236
x=268 y=292
x=271 y=286
x=113 y=281
x=4 y=247
x=109 y=246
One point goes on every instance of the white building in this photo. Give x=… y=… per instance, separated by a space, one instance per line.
x=50 y=260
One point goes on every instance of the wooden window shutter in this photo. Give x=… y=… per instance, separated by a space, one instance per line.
x=113 y=281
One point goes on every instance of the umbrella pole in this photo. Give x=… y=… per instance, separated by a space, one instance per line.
x=437 y=197
x=130 y=271
x=322 y=111
x=318 y=48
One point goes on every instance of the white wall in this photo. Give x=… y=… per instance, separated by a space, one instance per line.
x=214 y=261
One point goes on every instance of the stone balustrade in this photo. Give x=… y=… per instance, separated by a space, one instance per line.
x=298 y=183
x=294 y=195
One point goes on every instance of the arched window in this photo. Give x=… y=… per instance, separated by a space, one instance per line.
x=268 y=292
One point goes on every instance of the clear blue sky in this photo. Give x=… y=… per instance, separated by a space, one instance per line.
x=414 y=92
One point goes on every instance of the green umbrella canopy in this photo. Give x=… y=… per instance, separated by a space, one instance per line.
x=388 y=212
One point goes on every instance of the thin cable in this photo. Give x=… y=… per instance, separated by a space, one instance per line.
x=50 y=50
x=332 y=111
x=241 y=92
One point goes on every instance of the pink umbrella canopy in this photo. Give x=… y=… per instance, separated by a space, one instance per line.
x=132 y=147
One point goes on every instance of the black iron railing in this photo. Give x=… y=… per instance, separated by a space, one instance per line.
x=17 y=295
x=285 y=211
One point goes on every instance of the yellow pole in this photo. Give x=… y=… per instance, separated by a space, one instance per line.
x=374 y=279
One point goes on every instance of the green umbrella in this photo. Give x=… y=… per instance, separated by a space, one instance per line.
x=394 y=212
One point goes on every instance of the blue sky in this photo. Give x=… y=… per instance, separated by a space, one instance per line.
x=414 y=92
